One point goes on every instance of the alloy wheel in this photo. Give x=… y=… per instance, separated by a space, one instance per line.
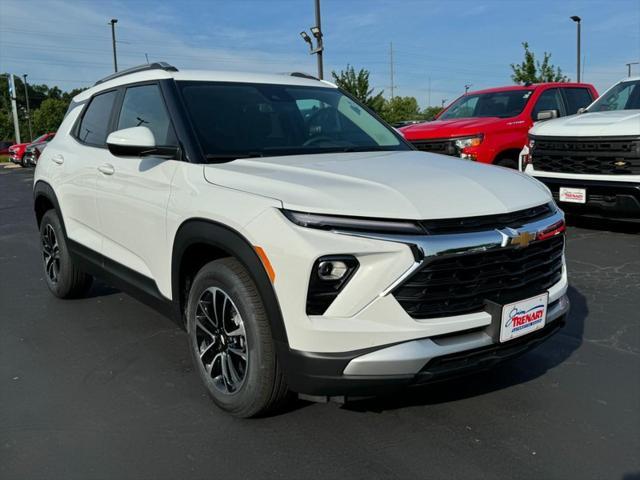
x=51 y=253
x=220 y=340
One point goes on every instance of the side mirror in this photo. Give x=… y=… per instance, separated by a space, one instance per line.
x=131 y=142
x=546 y=115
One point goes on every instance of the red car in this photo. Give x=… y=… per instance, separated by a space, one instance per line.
x=490 y=126
x=17 y=151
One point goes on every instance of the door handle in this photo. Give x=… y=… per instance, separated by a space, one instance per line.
x=59 y=159
x=107 y=169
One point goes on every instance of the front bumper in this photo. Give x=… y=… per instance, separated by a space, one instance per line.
x=608 y=199
x=374 y=371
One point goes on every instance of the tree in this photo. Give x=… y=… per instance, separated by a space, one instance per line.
x=401 y=108
x=357 y=84
x=50 y=115
x=532 y=71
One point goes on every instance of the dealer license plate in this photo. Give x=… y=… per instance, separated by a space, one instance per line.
x=523 y=317
x=573 y=195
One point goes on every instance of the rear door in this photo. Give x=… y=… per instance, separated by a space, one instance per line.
x=576 y=98
x=133 y=192
x=74 y=169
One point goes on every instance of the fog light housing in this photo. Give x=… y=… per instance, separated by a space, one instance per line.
x=329 y=275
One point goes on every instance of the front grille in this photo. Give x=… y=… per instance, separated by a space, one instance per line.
x=445 y=147
x=487 y=222
x=608 y=157
x=460 y=284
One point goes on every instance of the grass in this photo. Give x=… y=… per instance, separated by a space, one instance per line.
x=4 y=158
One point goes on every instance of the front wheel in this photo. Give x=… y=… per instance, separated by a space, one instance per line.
x=230 y=340
x=508 y=163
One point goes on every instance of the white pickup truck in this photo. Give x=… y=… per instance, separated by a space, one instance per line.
x=591 y=161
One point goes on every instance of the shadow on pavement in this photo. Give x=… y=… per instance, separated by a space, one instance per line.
x=603 y=224
x=514 y=372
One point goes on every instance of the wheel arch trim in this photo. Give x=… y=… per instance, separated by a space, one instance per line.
x=208 y=232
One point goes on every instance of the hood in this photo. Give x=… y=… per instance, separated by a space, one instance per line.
x=401 y=185
x=615 y=123
x=18 y=146
x=450 y=128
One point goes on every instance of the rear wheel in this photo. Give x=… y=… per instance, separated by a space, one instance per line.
x=230 y=340
x=63 y=277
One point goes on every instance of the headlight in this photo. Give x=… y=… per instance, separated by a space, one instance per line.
x=466 y=142
x=359 y=224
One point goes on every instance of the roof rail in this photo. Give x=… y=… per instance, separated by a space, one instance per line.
x=303 y=75
x=140 y=68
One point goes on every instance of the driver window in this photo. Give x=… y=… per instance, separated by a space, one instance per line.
x=549 y=100
x=144 y=106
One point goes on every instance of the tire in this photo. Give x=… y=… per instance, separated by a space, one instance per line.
x=63 y=277
x=23 y=162
x=230 y=341
x=508 y=163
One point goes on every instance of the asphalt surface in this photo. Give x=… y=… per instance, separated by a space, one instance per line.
x=103 y=387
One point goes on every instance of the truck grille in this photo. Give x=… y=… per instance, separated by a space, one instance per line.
x=445 y=147
x=460 y=284
x=590 y=156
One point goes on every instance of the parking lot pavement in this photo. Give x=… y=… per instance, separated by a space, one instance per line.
x=103 y=388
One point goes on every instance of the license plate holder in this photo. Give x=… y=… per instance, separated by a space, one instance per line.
x=572 y=195
x=516 y=319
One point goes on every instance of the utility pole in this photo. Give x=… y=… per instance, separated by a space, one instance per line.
x=14 y=107
x=629 y=67
x=318 y=34
x=467 y=87
x=26 y=94
x=578 y=21
x=316 y=31
x=391 y=68
x=113 y=41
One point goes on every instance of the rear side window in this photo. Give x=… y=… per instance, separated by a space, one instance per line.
x=143 y=106
x=549 y=100
x=577 y=98
x=94 y=126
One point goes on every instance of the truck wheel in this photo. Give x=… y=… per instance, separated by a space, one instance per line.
x=63 y=277
x=230 y=340
x=507 y=162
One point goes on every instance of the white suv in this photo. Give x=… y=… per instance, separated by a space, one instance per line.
x=302 y=243
x=591 y=161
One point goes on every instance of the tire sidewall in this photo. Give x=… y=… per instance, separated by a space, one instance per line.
x=64 y=275
x=260 y=364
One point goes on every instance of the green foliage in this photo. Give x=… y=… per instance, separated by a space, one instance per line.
x=532 y=71
x=40 y=95
x=401 y=108
x=49 y=116
x=357 y=84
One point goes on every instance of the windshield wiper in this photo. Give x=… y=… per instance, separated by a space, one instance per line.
x=226 y=157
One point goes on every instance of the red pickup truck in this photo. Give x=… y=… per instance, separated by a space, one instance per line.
x=490 y=126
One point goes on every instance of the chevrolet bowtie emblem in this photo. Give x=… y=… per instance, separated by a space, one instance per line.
x=511 y=237
x=620 y=163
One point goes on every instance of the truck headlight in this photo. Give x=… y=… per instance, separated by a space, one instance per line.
x=466 y=142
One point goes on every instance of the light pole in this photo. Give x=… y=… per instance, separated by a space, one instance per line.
x=629 y=67
x=578 y=21
x=26 y=94
x=444 y=101
x=113 y=41
x=316 y=31
x=467 y=87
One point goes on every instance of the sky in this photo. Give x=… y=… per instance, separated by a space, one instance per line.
x=438 y=46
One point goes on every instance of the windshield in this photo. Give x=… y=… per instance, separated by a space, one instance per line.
x=496 y=104
x=235 y=120
x=623 y=96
